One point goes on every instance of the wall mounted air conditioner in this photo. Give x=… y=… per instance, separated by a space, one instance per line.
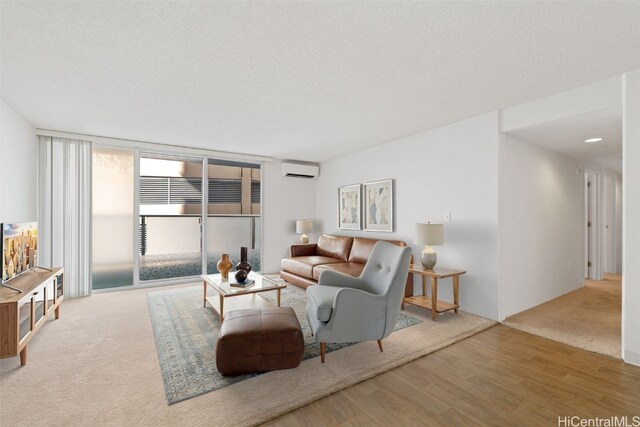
x=297 y=170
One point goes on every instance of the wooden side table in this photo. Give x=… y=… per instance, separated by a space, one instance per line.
x=432 y=302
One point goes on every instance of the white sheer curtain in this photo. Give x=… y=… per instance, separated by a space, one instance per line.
x=64 y=210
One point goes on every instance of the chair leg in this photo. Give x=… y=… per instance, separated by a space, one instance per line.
x=380 y=344
x=323 y=347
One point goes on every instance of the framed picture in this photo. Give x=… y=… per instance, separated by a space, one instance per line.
x=378 y=205
x=349 y=217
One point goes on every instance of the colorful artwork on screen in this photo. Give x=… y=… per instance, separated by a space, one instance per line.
x=19 y=248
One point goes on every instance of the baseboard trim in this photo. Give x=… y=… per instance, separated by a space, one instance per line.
x=631 y=357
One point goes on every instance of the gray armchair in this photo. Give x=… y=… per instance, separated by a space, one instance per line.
x=343 y=308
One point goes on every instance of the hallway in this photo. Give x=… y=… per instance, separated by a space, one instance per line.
x=587 y=318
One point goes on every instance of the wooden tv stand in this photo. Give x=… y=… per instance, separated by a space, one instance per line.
x=23 y=314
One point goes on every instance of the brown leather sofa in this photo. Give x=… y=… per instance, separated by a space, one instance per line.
x=340 y=253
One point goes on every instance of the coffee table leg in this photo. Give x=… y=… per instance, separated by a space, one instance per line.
x=456 y=291
x=221 y=308
x=278 y=297
x=205 y=292
x=434 y=298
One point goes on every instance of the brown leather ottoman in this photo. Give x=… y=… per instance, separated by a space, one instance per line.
x=258 y=340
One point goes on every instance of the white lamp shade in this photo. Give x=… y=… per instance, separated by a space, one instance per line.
x=429 y=234
x=304 y=226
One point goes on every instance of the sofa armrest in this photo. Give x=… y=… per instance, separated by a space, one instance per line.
x=358 y=311
x=302 y=250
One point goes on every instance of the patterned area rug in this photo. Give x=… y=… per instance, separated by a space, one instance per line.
x=186 y=334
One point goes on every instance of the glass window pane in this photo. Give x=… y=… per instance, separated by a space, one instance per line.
x=113 y=229
x=24 y=318
x=234 y=188
x=227 y=235
x=170 y=215
x=233 y=212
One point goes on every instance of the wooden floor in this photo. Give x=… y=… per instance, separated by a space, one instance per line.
x=498 y=377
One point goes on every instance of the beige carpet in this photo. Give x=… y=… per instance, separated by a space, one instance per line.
x=97 y=364
x=587 y=318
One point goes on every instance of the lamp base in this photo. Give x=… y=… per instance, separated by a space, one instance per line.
x=429 y=260
x=304 y=239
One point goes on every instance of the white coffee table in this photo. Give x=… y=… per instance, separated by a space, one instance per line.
x=224 y=289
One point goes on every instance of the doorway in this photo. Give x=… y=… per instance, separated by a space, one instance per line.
x=602 y=224
x=562 y=223
x=170 y=217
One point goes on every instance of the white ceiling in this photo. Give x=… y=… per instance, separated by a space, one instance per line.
x=567 y=137
x=298 y=80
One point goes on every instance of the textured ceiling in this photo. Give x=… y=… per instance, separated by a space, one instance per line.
x=298 y=80
x=567 y=137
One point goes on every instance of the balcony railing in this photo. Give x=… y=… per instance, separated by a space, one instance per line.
x=170 y=245
x=225 y=231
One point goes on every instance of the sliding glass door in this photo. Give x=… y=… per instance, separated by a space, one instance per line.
x=233 y=212
x=170 y=217
x=113 y=228
x=162 y=217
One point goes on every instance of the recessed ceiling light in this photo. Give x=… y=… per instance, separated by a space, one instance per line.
x=593 y=140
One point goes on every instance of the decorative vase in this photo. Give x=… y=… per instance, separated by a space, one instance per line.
x=243 y=264
x=241 y=276
x=224 y=266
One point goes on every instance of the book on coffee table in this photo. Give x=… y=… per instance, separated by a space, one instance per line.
x=244 y=284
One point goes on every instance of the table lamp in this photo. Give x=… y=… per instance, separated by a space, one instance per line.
x=429 y=235
x=304 y=226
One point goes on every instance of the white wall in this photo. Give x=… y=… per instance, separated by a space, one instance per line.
x=285 y=200
x=18 y=170
x=631 y=216
x=450 y=169
x=540 y=227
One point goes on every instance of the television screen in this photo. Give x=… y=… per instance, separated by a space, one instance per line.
x=19 y=248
